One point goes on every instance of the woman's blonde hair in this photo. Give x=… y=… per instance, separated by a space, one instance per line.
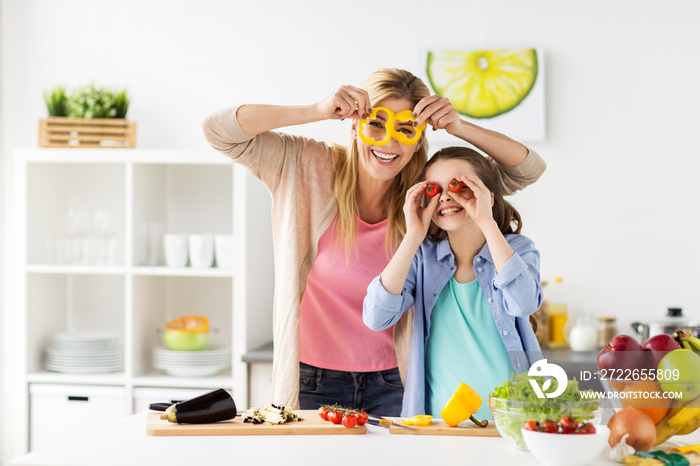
x=387 y=83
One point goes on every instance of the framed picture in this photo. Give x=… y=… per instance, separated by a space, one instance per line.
x=499 y=89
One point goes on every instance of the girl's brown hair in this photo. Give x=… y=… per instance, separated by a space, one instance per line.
x=506 y=217
x=387 y=83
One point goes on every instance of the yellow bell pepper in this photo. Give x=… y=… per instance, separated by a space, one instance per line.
x=420 y=420
x=462 y=406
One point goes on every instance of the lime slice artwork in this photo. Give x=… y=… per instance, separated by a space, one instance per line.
x=484 y=83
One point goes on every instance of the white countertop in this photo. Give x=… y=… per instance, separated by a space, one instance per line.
x=125 y=442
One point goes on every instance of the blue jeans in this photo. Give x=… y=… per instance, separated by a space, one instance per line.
x=375 y=392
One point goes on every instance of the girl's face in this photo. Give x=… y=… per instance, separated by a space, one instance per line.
x=450 y=215
x=385 y=162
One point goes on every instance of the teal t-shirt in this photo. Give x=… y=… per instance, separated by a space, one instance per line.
x=464 y=346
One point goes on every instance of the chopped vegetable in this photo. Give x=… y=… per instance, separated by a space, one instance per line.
x=271 y=414
x=420 y=420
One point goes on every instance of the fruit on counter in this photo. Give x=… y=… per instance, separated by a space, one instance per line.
x=683 y=366
x=636 y=423
x=621 y=353
x=420 y=420
x=683 y=418
x=270 y=414
x=461 y=406
x=686 y=339
x=646 y=395
x=656 y=348
x=214 y=406
x=348 y=417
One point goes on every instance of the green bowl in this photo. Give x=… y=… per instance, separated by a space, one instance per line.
x=186 y=341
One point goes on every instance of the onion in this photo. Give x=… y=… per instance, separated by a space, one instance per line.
x=636 y=423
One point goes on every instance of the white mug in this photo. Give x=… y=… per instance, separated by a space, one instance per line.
x=201 y=251
x=175 y=249
x=223 y=247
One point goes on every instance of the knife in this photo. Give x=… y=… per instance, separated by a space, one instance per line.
x=160 y=406
x=377 y=420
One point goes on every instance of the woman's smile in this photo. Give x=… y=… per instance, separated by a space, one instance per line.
x=384 y=157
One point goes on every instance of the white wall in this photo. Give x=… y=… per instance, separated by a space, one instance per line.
x=615 y=212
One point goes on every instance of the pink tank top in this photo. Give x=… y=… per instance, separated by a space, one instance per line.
x=331 y=332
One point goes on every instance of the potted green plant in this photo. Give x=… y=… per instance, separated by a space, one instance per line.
x=87 y=117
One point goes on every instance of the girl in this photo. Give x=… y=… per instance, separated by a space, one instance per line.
x=338 y=216
x=472 y=285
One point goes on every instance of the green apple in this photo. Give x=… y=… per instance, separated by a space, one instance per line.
x=679 y=371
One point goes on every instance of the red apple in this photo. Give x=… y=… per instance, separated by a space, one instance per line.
x=656 y=348
x=622 y=352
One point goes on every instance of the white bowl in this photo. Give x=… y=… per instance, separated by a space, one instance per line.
x=566 y=449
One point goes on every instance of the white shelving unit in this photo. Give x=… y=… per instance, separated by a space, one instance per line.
x=185 y=192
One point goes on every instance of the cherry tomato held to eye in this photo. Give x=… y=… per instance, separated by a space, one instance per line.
x=432 y=189
x=455 y=186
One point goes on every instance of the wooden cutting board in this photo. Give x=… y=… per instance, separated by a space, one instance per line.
x=312 y=424
x=440 y=428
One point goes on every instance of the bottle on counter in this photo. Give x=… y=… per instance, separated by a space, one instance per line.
x=607 y=330
x=583 y=335
x=558 y=313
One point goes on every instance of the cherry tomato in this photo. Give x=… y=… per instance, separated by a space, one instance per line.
x=361 y=418
x=349 y=420
x=335 y=417
x=568 y=424
x=323 y=412
x=550 y=427
x=432 y=189
x=533 y=426
x=455 y=186
x=586 y=428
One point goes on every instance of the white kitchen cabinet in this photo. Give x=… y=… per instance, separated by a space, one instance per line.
x=121 y=284
x=58 y=412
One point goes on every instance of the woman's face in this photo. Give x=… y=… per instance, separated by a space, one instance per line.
x=384 y=162
x=450 y=215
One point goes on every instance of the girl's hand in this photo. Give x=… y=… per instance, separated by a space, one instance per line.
x=438 y=112
x=418 y=218
x=346 y=102
x=479 y=207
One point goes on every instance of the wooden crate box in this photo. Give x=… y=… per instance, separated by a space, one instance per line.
x=88 y=133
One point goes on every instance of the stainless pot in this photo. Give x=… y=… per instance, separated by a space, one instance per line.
x=674 y=320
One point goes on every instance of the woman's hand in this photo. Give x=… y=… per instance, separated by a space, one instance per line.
x=418 y=218
x=480 y=206
x=438 y=112
x=346 y=102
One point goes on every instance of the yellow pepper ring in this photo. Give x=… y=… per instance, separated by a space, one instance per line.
x=420 y=420
x=404 y=116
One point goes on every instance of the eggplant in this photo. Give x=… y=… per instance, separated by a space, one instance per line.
x=214 y=406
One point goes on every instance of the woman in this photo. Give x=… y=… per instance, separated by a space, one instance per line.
x=338 y=218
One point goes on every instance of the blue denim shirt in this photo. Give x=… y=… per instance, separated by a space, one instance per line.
x=513 y=295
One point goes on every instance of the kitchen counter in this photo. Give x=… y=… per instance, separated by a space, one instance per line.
x=126 y=442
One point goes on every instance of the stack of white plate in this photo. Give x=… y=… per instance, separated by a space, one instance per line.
x=85 y=352
x=192 y=363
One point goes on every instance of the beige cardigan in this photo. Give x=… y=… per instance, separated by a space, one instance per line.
x=297 y=172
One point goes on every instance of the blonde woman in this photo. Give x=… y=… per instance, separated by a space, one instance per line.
x=339 y=217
